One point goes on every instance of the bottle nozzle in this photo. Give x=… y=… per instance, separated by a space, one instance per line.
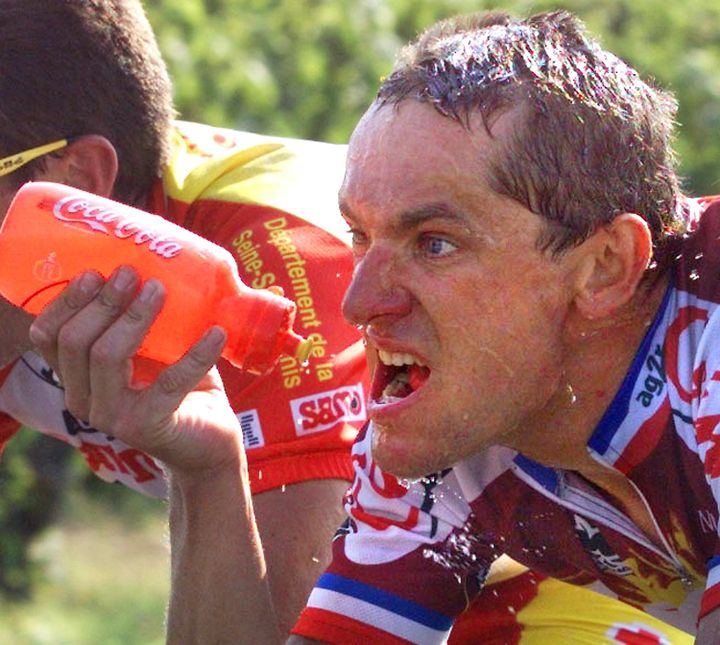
x=295 y=345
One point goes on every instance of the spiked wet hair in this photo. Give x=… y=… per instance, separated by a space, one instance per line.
x=594 y=139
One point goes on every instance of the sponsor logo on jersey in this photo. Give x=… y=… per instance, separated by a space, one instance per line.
x=598 y=548
x=325 y=410
x=252 y=430
x=636 y=634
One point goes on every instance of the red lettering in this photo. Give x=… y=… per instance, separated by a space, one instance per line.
x=310 y=419
x=686 y=316
x=640 y=637
x=324 y=411
x=705 y=431
x=143 y=467
x=99 y=456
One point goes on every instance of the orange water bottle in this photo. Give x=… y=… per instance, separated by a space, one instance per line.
x=53 y=232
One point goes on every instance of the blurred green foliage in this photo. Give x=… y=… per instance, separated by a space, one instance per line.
x=32 y=479
x=102 y=575
x=309 y=68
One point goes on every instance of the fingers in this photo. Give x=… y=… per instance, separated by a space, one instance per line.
x=148 y=417
x=44 y=330
x=110 y=356
x=91 y=328
x=174 y=383
x=91 y=333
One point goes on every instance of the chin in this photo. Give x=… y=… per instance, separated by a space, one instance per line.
x=404 y=459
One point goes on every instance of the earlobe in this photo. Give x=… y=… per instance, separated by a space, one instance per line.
x=612 y=263
x=89 y=163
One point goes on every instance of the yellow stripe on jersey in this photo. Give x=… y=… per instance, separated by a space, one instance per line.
x=292 y=175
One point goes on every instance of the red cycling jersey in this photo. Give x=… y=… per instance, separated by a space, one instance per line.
x=272 y=202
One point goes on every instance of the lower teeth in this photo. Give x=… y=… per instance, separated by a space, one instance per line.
x=386 y=398
x=397 y=388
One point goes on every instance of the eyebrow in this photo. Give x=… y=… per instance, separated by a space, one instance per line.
x=440 y=210
x=417 y=216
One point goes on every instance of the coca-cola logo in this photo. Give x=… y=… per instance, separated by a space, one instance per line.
x=108 y=221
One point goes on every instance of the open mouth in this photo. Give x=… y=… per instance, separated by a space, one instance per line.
x=397 y=376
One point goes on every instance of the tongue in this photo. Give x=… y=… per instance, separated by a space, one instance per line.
x=417 y=376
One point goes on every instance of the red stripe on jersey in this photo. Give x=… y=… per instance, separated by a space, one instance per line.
x=645 y=439
x=333 y=628
x=710 y=600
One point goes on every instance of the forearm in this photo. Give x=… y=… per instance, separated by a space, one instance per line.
x=297 y=523
x=219 y=591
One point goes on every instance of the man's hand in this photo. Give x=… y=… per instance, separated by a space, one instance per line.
x=89 y=335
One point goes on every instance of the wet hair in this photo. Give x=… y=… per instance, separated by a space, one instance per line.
x=594 y=140
x=74 y=67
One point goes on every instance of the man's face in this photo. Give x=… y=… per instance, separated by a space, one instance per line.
x=462 y=313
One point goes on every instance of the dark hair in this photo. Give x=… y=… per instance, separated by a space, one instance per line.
x=73 y=67
x=595 y=139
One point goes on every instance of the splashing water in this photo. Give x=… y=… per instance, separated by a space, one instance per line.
x=458 y=552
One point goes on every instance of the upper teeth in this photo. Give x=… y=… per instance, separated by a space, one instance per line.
x=397 y=358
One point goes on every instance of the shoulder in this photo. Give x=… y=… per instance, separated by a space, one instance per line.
x=697 y=262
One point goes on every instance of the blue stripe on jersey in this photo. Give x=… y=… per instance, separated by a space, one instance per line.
x=386 y=600
x=713 y=562
x=544 y=475
x=617 y=411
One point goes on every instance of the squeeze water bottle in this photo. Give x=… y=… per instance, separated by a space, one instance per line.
x=52 y=232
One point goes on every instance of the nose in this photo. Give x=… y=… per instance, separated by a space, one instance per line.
x=377 y=288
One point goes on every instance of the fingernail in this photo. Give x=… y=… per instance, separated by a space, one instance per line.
x=89 y=282
x=215 y=336
x=147 y=293
x=123 y=278
x=36 y=336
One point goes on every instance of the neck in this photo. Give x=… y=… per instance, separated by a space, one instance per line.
x=597 y=355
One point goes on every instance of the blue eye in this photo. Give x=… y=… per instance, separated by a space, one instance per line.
x=436 y=247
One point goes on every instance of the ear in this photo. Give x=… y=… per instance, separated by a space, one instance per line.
x=612 y=262
x=89 y=163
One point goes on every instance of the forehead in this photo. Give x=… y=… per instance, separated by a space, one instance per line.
x=403 y=157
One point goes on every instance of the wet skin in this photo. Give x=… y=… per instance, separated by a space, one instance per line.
x=448 y=271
